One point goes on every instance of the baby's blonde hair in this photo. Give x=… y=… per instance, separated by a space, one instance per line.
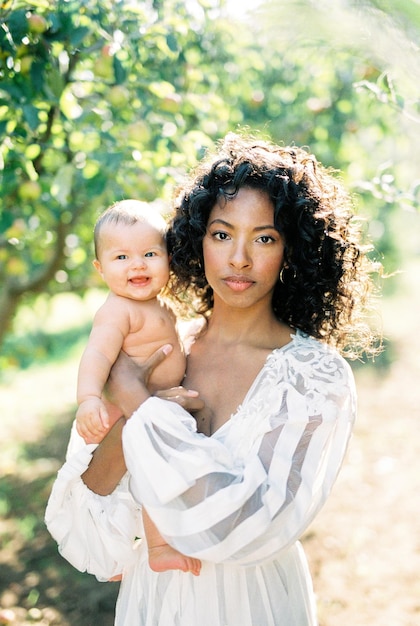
x=129 y=212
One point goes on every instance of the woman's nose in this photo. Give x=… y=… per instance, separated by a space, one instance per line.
x=240 y=257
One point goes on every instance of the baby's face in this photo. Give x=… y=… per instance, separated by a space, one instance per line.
x=133 y=260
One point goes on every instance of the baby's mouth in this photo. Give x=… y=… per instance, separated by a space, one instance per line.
x=139 y=280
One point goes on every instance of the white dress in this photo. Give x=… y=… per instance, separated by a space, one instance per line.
x=238 y=500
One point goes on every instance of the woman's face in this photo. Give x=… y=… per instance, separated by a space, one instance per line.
x=243 y=251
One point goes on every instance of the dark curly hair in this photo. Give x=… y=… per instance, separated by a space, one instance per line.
x=327 y=275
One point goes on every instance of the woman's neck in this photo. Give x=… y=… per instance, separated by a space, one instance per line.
x=243 y=326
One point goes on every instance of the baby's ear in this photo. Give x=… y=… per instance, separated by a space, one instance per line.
x=96 y=264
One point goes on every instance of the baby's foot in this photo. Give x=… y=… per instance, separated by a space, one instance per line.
x=163 y=558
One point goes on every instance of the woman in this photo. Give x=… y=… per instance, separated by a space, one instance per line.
x=265 y=246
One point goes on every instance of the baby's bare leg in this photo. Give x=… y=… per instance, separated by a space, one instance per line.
x=162 y=556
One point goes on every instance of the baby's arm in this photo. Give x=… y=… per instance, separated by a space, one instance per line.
x=110 y=327
x=92 y=420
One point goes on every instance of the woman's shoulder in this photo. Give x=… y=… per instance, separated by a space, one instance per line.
x=308 y=355
x=303 y=343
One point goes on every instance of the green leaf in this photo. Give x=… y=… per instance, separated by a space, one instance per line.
x=172 y=42
x=400 y=101
x=119 y=71
x=31 y=115
x=55 y=82
x=13 y=89
x=6 y=42
x=17 y=25
x=78 y=34
x=37 y=75
x=97 y=184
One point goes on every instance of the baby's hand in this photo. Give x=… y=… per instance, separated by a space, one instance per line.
x=92 y=420
x=187 y=398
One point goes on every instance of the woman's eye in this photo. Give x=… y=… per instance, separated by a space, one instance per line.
x=220 y=235
x=265 y=239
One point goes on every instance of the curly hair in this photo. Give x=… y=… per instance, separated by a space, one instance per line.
x=324 y=288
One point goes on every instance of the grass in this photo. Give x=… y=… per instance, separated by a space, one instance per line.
x=50 y=330
x=38 y=401
x=36 y=584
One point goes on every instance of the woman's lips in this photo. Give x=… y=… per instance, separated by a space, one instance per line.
x=238 y=283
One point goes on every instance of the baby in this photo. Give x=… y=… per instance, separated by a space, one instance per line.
x=132 y=258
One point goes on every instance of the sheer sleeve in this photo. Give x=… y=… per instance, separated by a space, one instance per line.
x=252 y=488
x=96 y=534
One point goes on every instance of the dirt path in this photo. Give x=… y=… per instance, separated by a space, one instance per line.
x=364 y=547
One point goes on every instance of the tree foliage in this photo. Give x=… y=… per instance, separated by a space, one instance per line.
x=101 y=100
x=98 y=100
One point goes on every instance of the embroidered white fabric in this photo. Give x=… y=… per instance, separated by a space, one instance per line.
x=238 y=500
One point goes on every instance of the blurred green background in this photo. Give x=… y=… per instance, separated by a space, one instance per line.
x=104 y=100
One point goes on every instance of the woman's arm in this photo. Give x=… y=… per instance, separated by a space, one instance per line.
x=252 y=489
x=97 y=534
x=107 y=466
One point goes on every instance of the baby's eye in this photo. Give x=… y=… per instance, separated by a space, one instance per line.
x=122 y=257
x=149 y=254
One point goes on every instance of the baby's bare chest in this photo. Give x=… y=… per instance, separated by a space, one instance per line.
x=150 y=330
x=149 y=333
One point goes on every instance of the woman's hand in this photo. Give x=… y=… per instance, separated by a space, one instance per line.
x=187 y=398
x=127 y=382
